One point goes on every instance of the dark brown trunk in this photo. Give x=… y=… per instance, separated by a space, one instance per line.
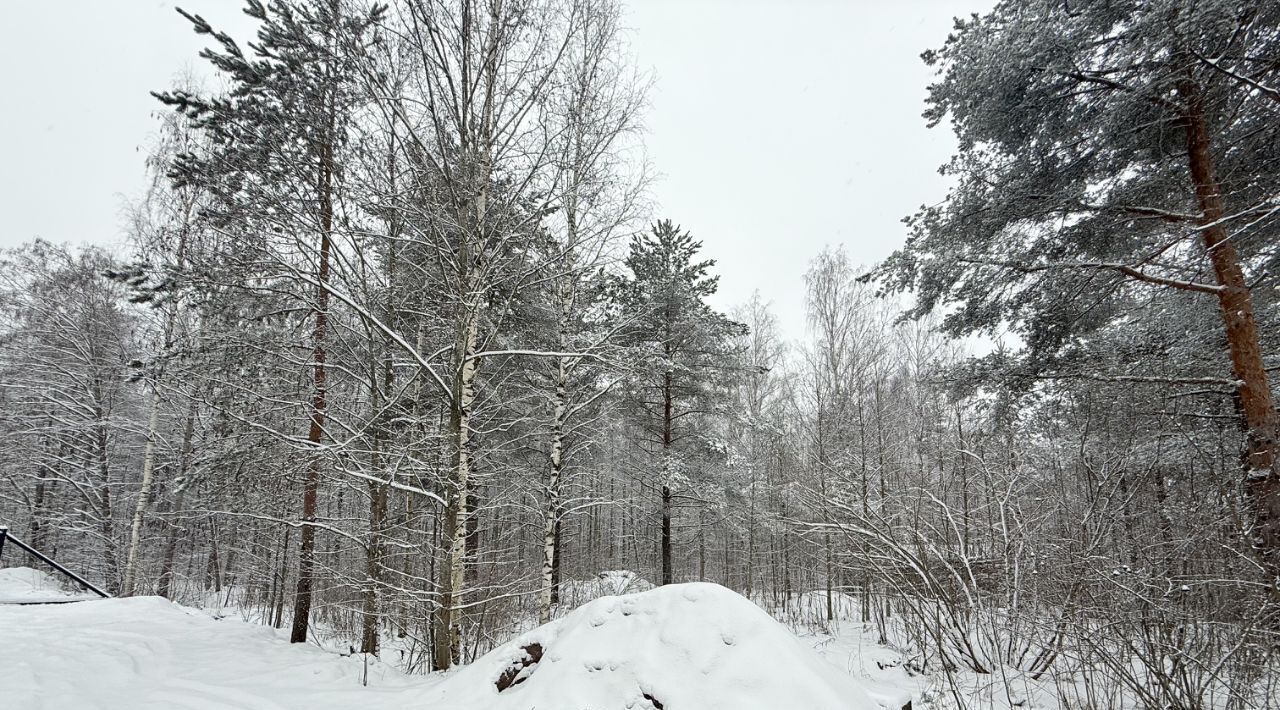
x=212 y=568
x=377 y=523
x=283 y=574
x=472 y=527
x=37 y=516
x=107 y=523
x=164 y=587
x=379 y=493
x=667 y=407
x=228 y=574
x=320 y=312
x=702 y=547
x=1257 y=408
x=377 y=516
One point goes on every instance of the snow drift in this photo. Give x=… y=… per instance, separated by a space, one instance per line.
x=679 y=647
x=23 y=585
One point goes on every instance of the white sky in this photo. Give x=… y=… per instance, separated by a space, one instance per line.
x=778 y=126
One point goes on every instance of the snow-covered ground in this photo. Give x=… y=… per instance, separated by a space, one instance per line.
x=680 y=647
x=23 y=585
x=148 y=653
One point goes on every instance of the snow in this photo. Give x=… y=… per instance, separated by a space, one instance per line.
x=694 y=646
x=881 y=671
x=23 y=585
x=146 y=653
x=685 y=647
x=576 y=592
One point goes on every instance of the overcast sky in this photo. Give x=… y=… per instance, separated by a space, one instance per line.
x=778 y=127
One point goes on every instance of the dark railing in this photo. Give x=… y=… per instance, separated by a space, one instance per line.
x=6 y=535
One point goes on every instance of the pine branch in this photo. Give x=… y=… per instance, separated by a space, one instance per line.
x=1125 y=269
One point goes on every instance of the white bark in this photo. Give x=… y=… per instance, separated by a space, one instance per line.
x=453 y=572
x=144 y=498
x=551 y=511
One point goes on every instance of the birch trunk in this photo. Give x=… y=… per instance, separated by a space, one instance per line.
x=551 y=510
x=452 y=573
x=144 y=497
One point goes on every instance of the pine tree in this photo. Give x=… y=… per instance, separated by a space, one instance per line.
x=684 y=354
x=273 y=165
x=1113 y=157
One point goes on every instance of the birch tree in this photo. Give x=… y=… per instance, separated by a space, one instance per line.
x=276 y=143
x=66 y=352
x=595 y=104
x=482 y=174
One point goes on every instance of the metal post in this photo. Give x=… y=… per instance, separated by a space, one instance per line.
x=4 y=533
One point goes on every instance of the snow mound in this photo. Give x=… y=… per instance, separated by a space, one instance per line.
x=30 y=586
x=679 y=647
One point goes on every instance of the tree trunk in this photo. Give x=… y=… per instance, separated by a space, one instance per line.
x=373 y=566
x=667 y=423
x=282 y=572
x=107 y=522
x=369 y=639
x=38 y=514
x=702 y=546
x=822 y=491
x=164 y=586
x=144 y=496
x=212 y=568
x=555 y=563
x=311 y=485
x=1257 y=408
x=375 y=552
x=384 y=372
x=551 y=509
x=453 y=572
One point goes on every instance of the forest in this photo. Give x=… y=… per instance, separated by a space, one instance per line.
x=400 y=356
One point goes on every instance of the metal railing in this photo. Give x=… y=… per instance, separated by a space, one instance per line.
x=6 y=535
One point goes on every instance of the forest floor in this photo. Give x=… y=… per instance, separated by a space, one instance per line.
x=696 y=645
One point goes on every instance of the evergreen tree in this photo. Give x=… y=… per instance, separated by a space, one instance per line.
x=684 y=353
x=274 y=166
x=1114 y=158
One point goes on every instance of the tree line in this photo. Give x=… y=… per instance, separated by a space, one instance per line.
x=398 y=354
